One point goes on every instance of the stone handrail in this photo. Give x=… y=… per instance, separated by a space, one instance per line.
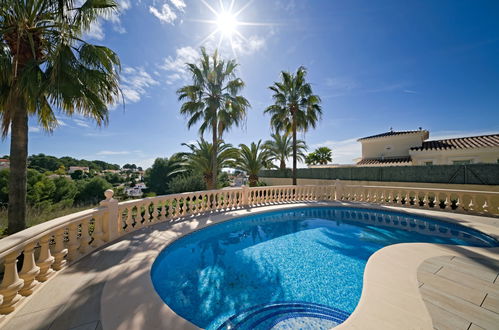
x=49 y=247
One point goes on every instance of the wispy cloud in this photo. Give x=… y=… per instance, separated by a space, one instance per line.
x=179 y=4
x=410 y=91
x=81 y=123
x=176 y=66
x=134 y=83
x=165 y=14
x=96 y=30
x=249 y=45
x=112 y=153
x=344 y=151
x=33 y=129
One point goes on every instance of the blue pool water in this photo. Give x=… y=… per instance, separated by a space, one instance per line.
x=300 y=268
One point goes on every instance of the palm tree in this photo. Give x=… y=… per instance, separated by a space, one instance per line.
x=45 y=65
x=295 y=107
x=324 y=155
x=252 y=160
x=201 y=155
x=281 y=148
x=214 y=99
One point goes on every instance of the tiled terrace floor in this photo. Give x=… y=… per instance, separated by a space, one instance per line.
x=461 y=293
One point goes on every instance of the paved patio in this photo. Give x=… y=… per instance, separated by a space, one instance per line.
x=448 y=287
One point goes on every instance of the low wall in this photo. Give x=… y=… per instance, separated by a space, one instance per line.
x=477 y=174
x=475 y=187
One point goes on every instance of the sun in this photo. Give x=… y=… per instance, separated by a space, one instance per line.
x=227 y=24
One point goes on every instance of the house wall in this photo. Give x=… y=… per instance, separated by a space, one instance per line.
x=447 y=157
x=391 y=146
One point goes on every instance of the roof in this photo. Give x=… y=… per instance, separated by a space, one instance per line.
x=471 y=142
x=392 y=133
x=3 y=160
x=385 y=161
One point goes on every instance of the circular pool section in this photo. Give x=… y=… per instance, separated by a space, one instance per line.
x=300 y=268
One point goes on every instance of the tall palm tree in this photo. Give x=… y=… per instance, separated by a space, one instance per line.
x=201 y=155
x=324 y=155
x=213 y=99
x=281 y=148
x=45 y=65
x=252 y=159
x=295 y=107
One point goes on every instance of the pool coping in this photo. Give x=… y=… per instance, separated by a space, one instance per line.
x=390 y=296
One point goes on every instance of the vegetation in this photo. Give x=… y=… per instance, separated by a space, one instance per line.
x=44 y=64
x=45 y=163
x=320 y=156
x=213 y=99
x=252 y=159
x=160 y=174
x=295 y=107
x=199 y=159
x=280 y=148
x=186 y=182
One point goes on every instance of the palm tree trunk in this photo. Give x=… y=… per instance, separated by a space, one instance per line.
x=282 y=166
x=18 y=171
x=294 y=147
x=214 y=157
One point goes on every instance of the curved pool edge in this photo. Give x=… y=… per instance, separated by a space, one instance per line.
x=139 y=306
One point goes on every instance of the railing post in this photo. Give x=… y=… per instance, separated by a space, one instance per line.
x=110 y=221
x=338 y=191
x=245 y=195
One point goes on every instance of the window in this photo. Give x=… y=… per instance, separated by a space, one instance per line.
x=428 y=163
x=461 y=162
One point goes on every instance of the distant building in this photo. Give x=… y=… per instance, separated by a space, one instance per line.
x=4 y=163
x=73 y=169
x=135 y=191
x=404 y=148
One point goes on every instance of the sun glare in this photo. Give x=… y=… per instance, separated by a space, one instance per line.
x=226 y=23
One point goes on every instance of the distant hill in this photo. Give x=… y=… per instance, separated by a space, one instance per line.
x=44 y=163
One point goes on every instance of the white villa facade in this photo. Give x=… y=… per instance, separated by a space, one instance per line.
x=403 y=148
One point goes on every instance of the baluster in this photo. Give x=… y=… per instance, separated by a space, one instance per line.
x=73 y=243
x=447 y=203
x=471 y=205
x=139 y=218
x=163 y=211
x=485 y=206
x=98 y=233
x=45 y=260
x=59 y=250
x=129 y=219
x=407 y=198
x=460 y=203
x=11 y=284
x=155 y=212
x=29 y=271
x=85 y=237
x=147 y=214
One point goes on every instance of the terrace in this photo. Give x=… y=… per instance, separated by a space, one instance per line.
x=91 y=270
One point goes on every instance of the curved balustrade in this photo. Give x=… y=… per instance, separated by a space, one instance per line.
x=47 y=248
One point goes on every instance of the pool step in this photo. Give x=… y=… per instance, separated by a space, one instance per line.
x=286 y=315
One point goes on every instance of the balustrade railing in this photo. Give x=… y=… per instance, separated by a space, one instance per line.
x=47 y=248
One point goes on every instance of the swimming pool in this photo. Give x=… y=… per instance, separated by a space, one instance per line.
x=299 y=268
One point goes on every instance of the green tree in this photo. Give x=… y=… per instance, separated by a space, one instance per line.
x=78 y=175
x=4 y=186
x=92 y=191
x=214 y=99
x=295 y=107
x=201 y=156
x=65 y=190
x=45 y=64
x=252 y=159
x=161 y=172
x=320 y=156
x=280 y=148
x=186 y=183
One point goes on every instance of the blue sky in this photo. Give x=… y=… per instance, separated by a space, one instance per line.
x=375 y=64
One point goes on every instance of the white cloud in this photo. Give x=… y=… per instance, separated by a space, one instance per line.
x=179 y=4
x=177 y=66
x=165 y=15
x=410 y=91
x=96 y=30
x=248 y=46
x=81 y=123
x=135 y=82
x=61 y=123
x=112 y=153
x=33 y=129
